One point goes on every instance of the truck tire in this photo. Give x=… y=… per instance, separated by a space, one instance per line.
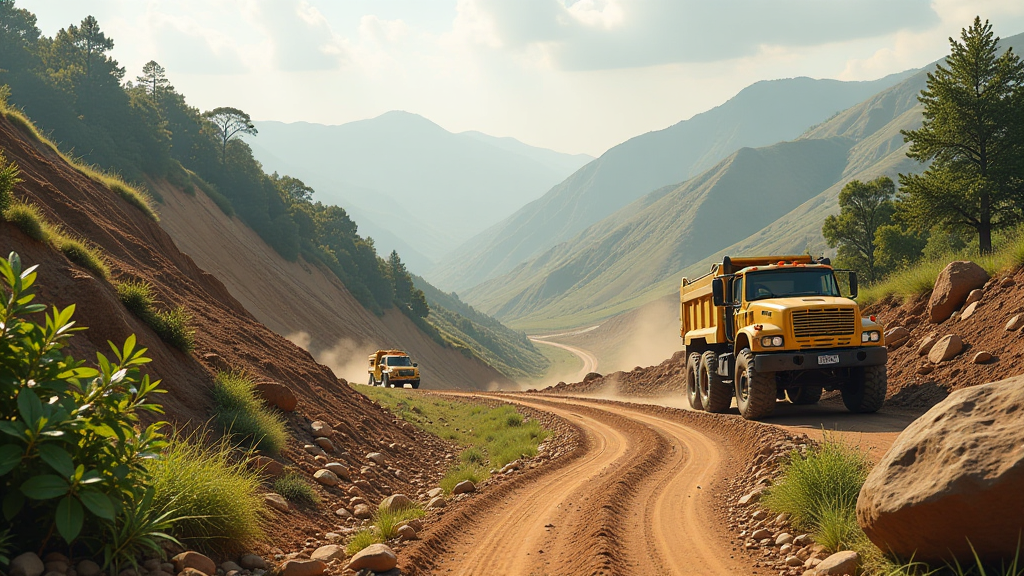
x=372 y=381
x=865 y=392
x=715 y=395
x=415 y=384
x=385 y=382
x=804 y=395
x=755 y=391
x=693 y=381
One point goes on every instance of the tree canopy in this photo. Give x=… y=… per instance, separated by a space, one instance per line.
x=864 y=208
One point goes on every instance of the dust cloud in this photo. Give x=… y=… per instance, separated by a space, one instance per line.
x=346 y=358
x=651 y=337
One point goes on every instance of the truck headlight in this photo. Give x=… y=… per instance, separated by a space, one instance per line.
x=771 y=341
x=870 y=336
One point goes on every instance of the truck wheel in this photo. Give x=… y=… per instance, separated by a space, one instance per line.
x=385 y=382
x=415 y=384
x=693 y=381
x=372 y=381
x=865 y=392
x=804 y=395
x=755 y=391
x=715 y=396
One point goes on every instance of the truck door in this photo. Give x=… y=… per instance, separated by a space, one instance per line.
x=735 y=301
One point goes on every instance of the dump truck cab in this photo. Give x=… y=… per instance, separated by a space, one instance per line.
x=779 y=327
x=393 y=368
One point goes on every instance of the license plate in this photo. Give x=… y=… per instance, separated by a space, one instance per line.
x=827 y=359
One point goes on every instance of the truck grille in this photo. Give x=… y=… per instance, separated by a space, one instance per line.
x=406 y=372
x=824 y=322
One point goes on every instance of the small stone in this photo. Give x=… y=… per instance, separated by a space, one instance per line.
x=759 y=515
x=802 y=540
x=326 y=477
x=786 y=549
x=434 y=492
x=974 y=296
x=925 y=369
x=375 y=557
x=794 y=561
x=328 y=553
x=61 y=567
x=252 y=562
x=325 y=443
x=969 y=311
x=839 y=564
x=926 y=345
x=267 y=466
x=339 y=469
x=362 y=511
x=1015 y=323
x=784 y=538
x=761 y=534
x=303 y=568
x=27 y=564
x=946 y=349
x=343 y=513
x=782 y=518
x=321 y=429
x=436 y=502
x=982 y=357
x=416 y=524
x=89 y=568
x=362 y=485
x=464 y=487
x=314 y=450
x=277 y=502
x=396 y=502
x=376 y=457
x=750 y=498
x=194 y=560
x=897 y=337
x=229 y=566
x=407 y=532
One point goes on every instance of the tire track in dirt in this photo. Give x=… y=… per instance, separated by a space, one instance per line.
x=629 y=504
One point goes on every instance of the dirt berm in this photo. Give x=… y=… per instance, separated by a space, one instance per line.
x=136 y=247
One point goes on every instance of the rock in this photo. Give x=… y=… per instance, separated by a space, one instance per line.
x=376 y=457
x=794 y=561
x=343 y=513
x=362 y=511
x=303 y=568
x=897 y=337
x=194 y=560
x=229 y=566
x=954 y=473
x=946 y=349
x=326 y=477
x=339 y=469
x=27 y=564
x=185 y=572
x=396 y=502
x=927 y=344
x=464 y=487
x=61 y=567
x=328 y=553
x=252 y=562
x=434 y=492
x=277 y=395
x=802 y=540
x=375 y=557
x=321 y=429
x=954 y=284
x=218 y=363
x=86 y=568
x=325 y=443
x=974 y=296
x=362 y=485
x=267 y=466
x=407 y=532
x=925 y=369
x=969 y=310
x=761 y=534
x=277 y=502
x=750 y=498
x=759 y=515
x=314 y=450
x=416 y=524
x=357 y=500
x=1015 y=323
x=982 y=357
x=436 y=502
x=839 y=564
x=784 y=538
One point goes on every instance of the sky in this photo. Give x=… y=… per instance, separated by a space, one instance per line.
x=577 y=76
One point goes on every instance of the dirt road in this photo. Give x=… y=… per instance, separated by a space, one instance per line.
x=589 y=360
x=637 y=501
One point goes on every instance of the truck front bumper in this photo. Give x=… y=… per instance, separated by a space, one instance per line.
x=821 y=359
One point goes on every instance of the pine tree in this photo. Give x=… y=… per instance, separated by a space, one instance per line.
x=154 y=79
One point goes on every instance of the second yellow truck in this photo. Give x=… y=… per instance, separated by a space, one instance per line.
x=764 y=329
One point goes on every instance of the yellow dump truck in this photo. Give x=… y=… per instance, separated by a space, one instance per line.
x=771 y=328
x=393 y=368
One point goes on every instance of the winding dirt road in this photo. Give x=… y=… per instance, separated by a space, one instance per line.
x=589 y=360
x=635 y=501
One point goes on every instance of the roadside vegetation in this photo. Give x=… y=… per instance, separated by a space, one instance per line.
x=294 y=487
x=384 y=526
x=491 y=436
x=173 y=326
x=243 y=416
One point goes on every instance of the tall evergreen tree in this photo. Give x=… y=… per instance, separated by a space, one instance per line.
x=973 y=137
x=400 y=278
x=154 y=79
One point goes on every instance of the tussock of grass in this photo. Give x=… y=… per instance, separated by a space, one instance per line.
x=388 y=521
x=175 y=328
x=294 y=488
x=362 y=539
x=215 y=494
x=172 y=326
x=82 y=254
x=137 y=296
x=492 y=437
x=242 y=414
x=29 y=220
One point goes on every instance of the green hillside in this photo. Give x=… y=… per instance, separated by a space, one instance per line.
x=760 y=115
x=508 y=351
x=784 y=198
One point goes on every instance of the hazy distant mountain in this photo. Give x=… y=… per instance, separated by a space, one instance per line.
x=761 y=114
x=410 y=184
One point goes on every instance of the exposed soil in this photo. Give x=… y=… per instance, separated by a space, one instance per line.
x=305 y=303
x=138 y=248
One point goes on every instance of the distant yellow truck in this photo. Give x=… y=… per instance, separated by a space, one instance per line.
x=763 y=329
x=393 y=368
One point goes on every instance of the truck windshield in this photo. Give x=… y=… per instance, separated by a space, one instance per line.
x=398 y=361
x=791 y=282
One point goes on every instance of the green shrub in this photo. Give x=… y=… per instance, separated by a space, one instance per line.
x=137 y=296
x=29 y=220
x=8 y=179
x=241 y=413
x=175 y=327
x=388 y=521
x=211 y=191
x=71 y=456
x=362 y=539
x=82 y=254
x=213 y=491
x=294 y=488
x=836 y=526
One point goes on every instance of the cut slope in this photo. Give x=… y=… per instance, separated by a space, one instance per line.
x=309 y=305
x=760 y=115
x=409 y=182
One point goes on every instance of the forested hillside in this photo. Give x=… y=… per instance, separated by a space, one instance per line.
x=760 y=115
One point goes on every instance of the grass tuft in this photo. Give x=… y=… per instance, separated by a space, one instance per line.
x=175 y=328
x=137 y=296
x=172 y=326
x=82 y=254
x=213 y=492
x=362 y=539
x=294 y=488
x=242 y=414
x=472 y=472
x=29 y=220
x=387 y=522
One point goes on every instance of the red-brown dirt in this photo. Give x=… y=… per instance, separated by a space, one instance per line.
x=135 y=247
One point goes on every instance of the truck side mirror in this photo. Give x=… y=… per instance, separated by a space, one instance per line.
x=718 y=291
x=853 y=285
x=415 y=365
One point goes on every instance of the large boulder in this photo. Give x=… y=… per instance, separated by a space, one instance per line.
x=946 y=349
x=375 y=557
x=953 y=479
x=277 y=395
x=396 y=502
x=954 y=284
